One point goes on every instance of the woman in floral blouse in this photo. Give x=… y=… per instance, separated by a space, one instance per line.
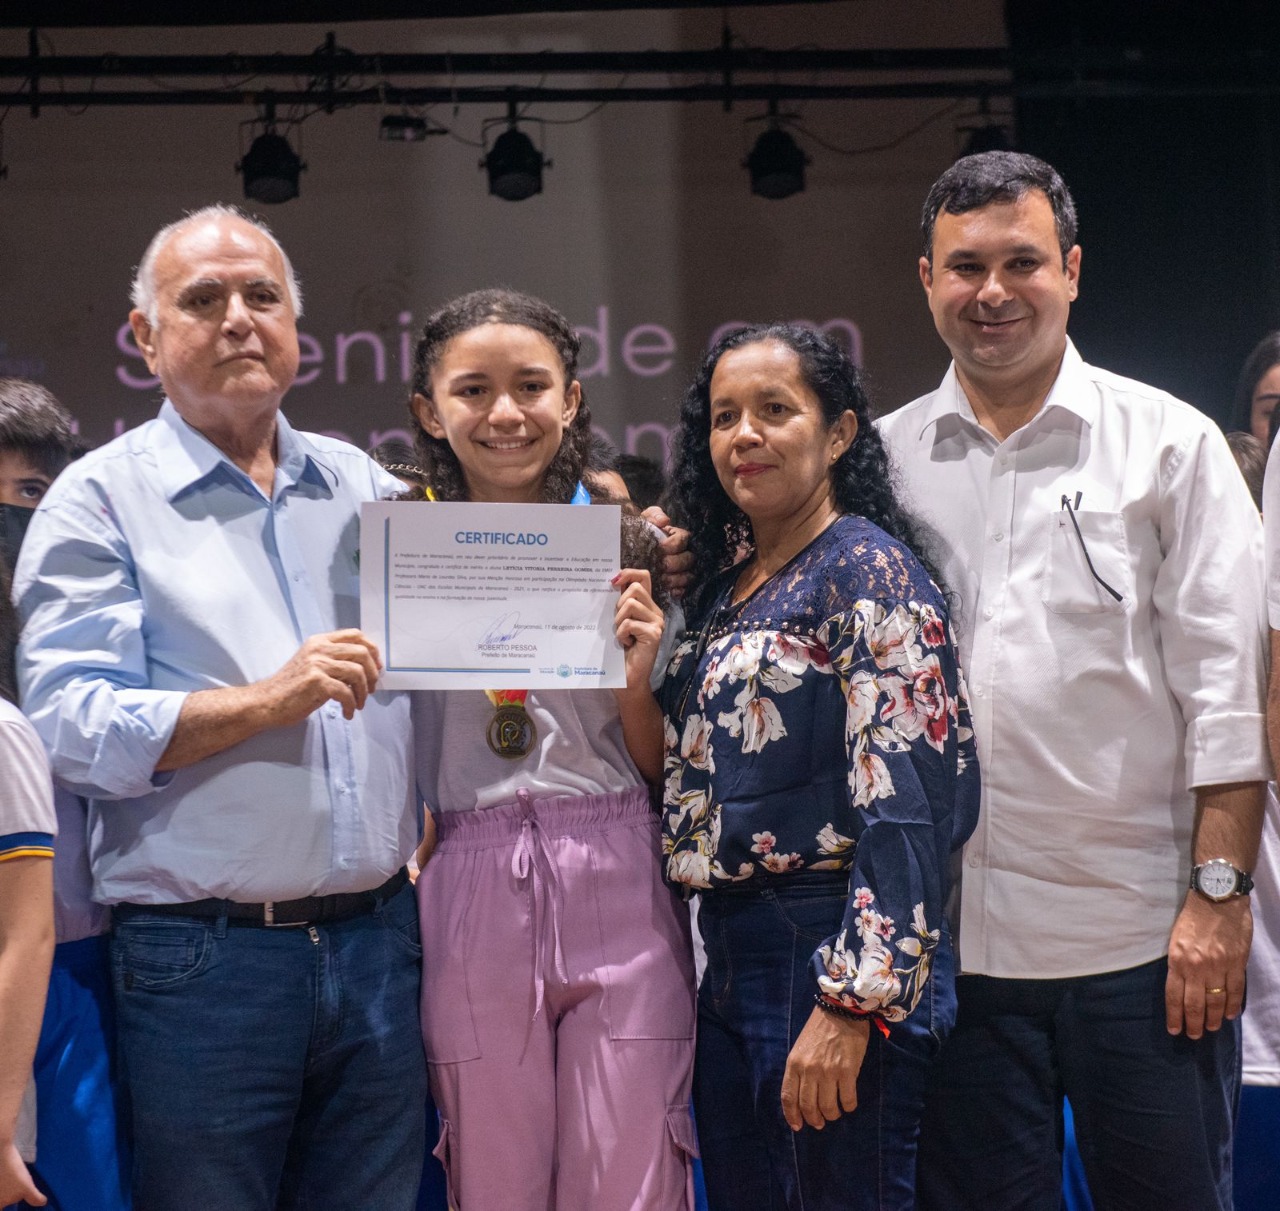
x=820 y=772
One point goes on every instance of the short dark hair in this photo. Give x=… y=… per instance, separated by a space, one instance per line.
x=439 y=463
x=998 y=176
x=601 y=454
x=861 y=478
x=644 y=477
x=34 y=424
x=1265 y=354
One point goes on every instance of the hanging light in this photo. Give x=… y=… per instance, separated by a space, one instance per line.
x=776 y=163
x=513 y=163
x=270 y=167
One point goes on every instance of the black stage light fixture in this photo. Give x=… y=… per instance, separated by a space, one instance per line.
x=271 y=167
x=404 y=128
x=513 y=163
x=776 y=162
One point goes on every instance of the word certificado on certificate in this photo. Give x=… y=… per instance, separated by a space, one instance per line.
x=472 y=596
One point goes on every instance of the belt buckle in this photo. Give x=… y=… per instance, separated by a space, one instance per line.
x=269 y=918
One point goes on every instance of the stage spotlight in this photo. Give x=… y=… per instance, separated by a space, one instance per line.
x=988 y=138
x=270 y=167
x=513 y=163
x=403 y=128
x=776 y=165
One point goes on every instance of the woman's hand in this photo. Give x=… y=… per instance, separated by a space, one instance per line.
x=677 y=560
x=638 y=624
x=821 y=1080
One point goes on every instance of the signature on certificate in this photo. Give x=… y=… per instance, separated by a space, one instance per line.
x=502 y=629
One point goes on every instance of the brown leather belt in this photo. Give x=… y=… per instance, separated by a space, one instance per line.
x=310 y=910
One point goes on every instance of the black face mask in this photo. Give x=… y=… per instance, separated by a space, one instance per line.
x=14 y=520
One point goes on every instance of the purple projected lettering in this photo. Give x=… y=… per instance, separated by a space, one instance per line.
x=644 y=350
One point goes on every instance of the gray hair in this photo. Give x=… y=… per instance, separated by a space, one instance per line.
x=143 y=290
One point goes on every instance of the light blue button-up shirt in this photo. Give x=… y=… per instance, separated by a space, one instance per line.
x=155 y=567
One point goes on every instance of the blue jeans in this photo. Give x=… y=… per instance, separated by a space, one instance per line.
x=272 y=1068
x=1153 y=1112
x=755 y=998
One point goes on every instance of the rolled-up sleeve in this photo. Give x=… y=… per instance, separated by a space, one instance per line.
x=82 y=659
x=1209 y=597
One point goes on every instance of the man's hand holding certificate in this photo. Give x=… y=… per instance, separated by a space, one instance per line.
x=469 y=596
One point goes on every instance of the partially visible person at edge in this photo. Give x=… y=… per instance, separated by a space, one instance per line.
x=27 y=829
x=820 y=772
x=192 y=661
x=1257 y=1165
x=558 y=1009
x=82 y=1163
x=1106 y=566
x=35 y=444
x=1258 y=389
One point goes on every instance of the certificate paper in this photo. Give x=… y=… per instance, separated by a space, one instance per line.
x=479 y=596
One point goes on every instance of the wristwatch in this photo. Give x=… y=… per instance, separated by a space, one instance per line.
x=1218 y=880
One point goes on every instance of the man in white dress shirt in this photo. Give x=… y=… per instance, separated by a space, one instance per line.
x=1104 y=558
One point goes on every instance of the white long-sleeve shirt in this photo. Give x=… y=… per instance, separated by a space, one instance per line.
x=1094 y=718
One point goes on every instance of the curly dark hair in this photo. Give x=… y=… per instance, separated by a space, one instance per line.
x=861 y=479
x=440 y=466
x=439 y=463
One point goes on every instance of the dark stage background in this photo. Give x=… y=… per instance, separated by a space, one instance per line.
x=1162 y=116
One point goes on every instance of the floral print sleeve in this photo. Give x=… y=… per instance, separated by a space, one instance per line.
x=819 y=728
x=907 y=737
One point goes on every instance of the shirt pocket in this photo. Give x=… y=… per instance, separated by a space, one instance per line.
x=1069 y=586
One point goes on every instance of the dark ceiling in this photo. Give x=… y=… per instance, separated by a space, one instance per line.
x=54 y=13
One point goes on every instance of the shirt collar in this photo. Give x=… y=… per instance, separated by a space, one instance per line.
x=950 y=408
x=185 y=456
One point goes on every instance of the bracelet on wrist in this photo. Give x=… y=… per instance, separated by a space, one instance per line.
x=836 y=1010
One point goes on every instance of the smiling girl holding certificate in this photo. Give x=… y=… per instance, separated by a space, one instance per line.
x=557 y=1001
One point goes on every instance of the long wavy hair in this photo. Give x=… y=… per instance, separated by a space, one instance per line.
x=439 y=463
x=440 y=466
x=1266 y=353
x=861 y=479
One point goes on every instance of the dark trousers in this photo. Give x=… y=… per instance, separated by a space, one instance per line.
x=1153 y=1111
x=754 y=1000
x=273 y=1069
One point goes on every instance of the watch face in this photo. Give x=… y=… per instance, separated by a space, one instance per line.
x=1217 y=879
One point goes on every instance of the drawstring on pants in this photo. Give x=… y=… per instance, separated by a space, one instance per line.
x=533 y=861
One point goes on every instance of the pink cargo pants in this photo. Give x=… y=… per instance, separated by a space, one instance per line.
x=558 y=1008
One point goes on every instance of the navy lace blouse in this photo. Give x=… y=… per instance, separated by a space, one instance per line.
x=822 y=725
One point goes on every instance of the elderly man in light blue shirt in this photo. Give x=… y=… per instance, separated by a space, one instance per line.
x=191 y=659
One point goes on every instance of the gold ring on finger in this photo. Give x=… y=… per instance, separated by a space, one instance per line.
x=1215 y=992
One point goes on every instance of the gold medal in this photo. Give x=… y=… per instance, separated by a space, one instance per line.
x=511 y=733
